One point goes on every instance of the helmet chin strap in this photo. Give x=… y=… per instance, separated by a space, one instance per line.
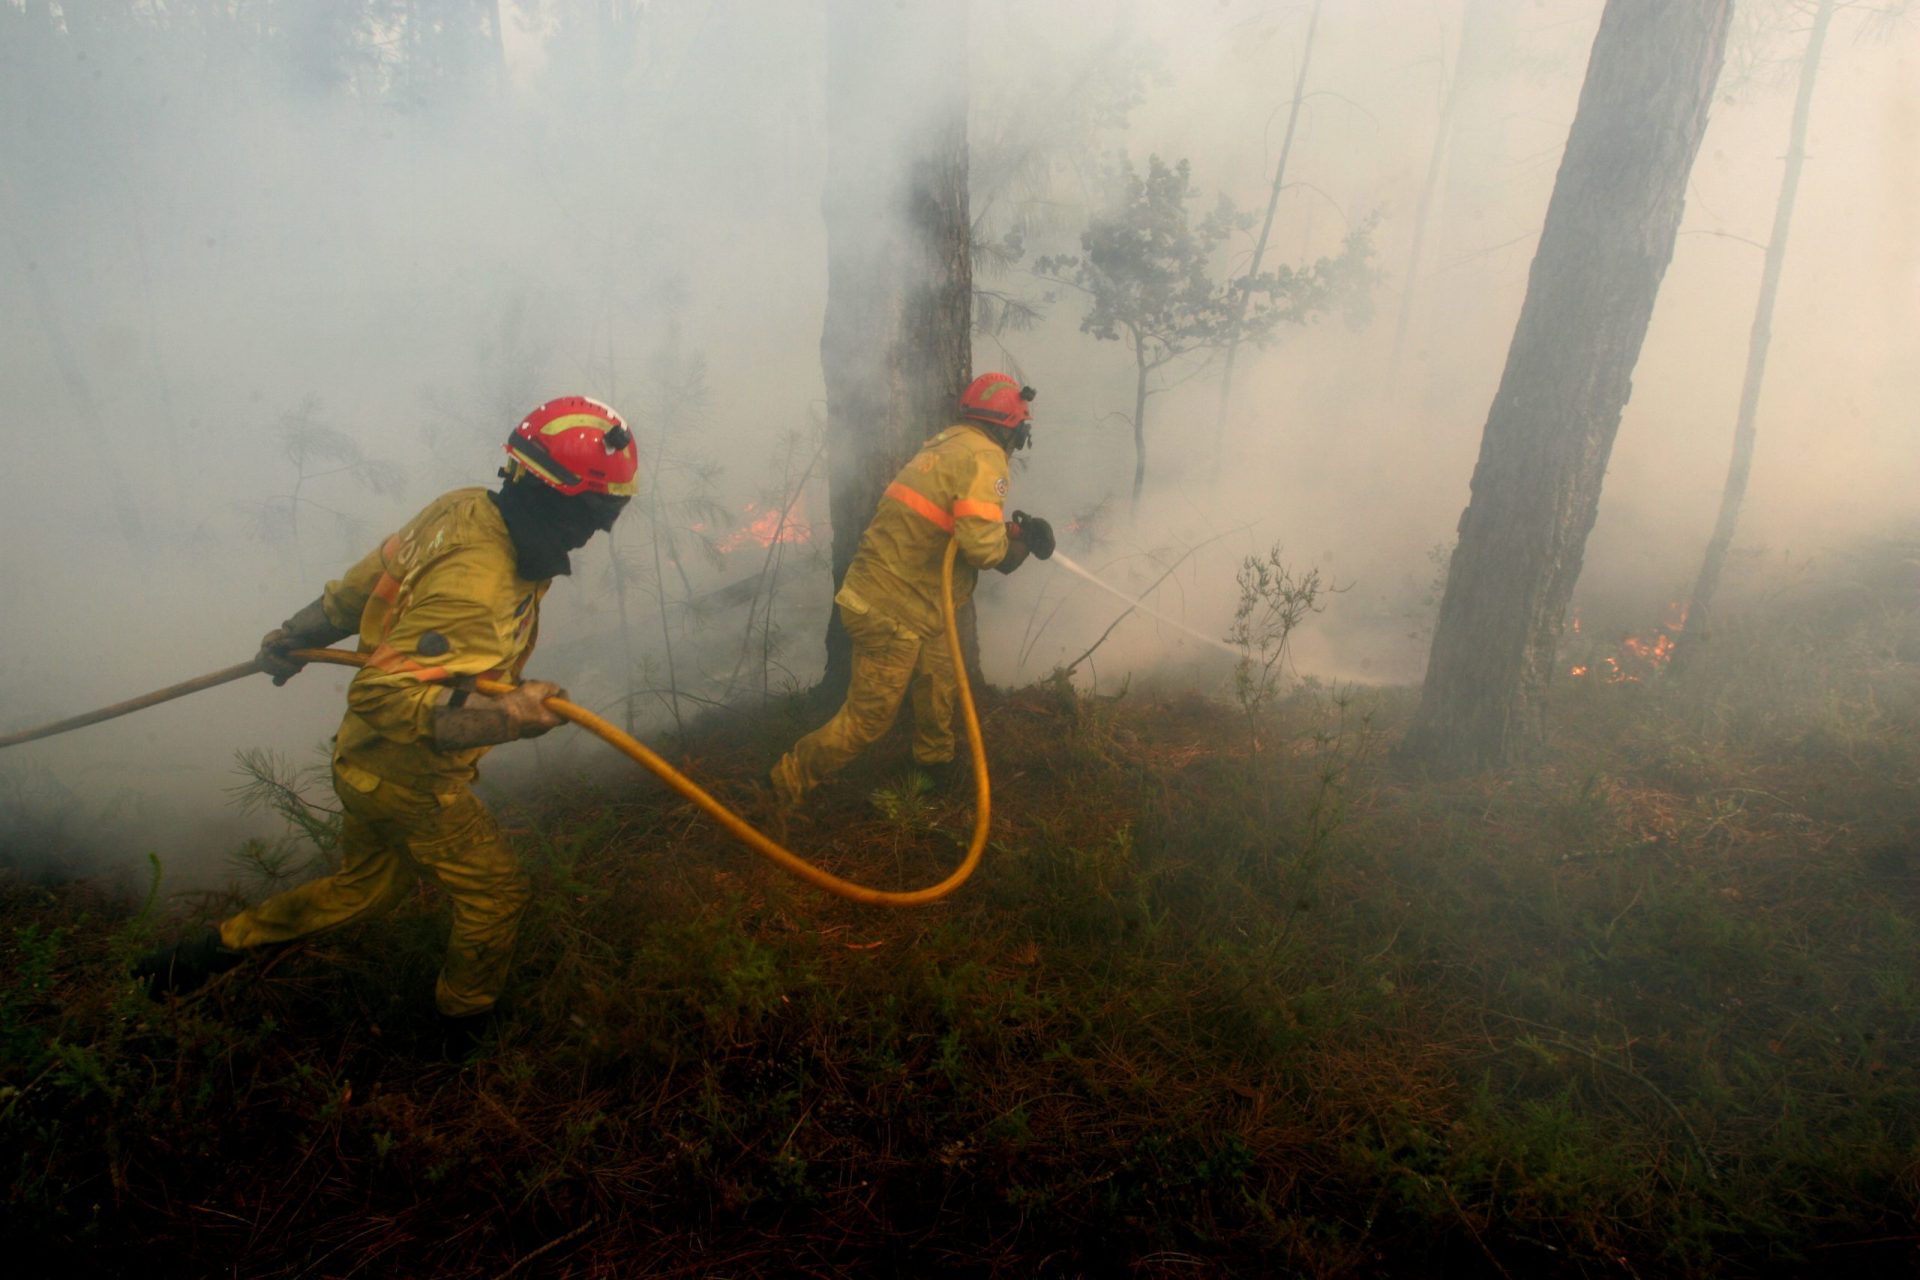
x=1023 y=434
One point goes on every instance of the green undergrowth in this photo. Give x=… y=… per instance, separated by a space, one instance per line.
x=1648 y=1006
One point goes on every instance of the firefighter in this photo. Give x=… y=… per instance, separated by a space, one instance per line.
x=453 y=596
x=889 y=602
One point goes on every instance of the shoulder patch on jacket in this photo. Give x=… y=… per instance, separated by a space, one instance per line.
x=433 y=645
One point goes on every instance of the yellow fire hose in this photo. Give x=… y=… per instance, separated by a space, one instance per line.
x=641 y=754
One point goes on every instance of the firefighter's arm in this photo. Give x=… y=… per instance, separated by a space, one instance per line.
x=332 y=616
x=979 y=522
x=457 y=626
x=345 y=598
x=484 y=720
x=1027 y=536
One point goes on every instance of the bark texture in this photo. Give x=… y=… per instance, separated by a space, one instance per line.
x=896 y=346
x=1608 y=237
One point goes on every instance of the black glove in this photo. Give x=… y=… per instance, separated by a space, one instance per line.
x=1035 y=532
x=273 y=658
x=308 y=629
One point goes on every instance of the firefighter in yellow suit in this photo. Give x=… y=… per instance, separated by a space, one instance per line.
x=453 y=596
x=953 y=489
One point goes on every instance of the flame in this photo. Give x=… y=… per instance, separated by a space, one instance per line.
x=767 y=528
x=1656 y=653
x=1645 y=654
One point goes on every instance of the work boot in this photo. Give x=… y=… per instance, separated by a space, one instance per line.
x=782 y=787
x=186 y=965
x=767 y=807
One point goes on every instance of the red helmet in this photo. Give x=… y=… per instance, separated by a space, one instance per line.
x=577 y=445
x=996 y=399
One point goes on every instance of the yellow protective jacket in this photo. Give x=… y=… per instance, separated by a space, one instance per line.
x=953 y=487
x=438 y=600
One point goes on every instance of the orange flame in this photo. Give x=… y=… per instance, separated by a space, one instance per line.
x=767 y=528
x=1647 y=654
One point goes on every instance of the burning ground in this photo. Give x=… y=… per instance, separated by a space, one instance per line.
x=1646 y=1007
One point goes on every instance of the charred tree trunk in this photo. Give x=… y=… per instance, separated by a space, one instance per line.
x=1608 y=237
x=1741 y=463
x=896 y=346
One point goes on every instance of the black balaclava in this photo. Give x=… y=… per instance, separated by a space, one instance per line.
x=547 y=525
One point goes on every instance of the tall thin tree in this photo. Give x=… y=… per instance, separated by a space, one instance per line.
x=1608 y=237
x=1478 y=16
x=1260 y=246
x=896 y=345
x=1741 y=464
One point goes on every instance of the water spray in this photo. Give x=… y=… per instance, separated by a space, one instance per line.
x=1067 y=562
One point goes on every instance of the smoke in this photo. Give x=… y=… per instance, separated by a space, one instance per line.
x=268 y=283
x=1359 y=464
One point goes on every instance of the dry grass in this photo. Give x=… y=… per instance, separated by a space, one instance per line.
x=1648 y=1008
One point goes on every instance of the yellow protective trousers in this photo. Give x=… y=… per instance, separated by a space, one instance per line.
x=888 y=657
x=388 y=837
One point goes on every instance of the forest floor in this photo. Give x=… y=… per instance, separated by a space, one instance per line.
x=1214 y=1004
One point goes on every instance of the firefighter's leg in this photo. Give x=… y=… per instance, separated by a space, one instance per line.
x=374 y=874
x=883 y=661
x=934 y=692
x=460 y=846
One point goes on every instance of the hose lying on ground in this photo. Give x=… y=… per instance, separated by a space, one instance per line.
x=641 y=754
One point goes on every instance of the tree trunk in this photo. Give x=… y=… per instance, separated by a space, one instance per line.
x=1480 y=110
x=1260 y=247
x=1608 y=237
x=896 y=347
x=1743 y=429
x=1139 y=423
x=495 y=21
x=616 y=571
x=1442 y=141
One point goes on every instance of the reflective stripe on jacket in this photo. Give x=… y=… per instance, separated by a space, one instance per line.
x=439 y=599
x=955 y=486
